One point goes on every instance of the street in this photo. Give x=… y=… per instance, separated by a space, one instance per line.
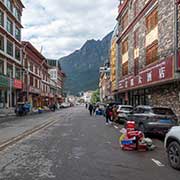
x=80 y=147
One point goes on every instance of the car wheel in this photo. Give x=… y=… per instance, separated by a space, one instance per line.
x=141 y=127
x=173 y=151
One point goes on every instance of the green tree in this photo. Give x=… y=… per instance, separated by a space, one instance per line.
x=95 y=97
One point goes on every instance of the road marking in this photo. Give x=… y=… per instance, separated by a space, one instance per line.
x=116 y=127
x=158 y=163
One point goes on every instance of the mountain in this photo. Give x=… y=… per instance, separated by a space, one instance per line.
x=82 y=66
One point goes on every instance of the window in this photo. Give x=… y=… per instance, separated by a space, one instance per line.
x=9 y=26
x=136 y=8
x=125 y=21
x=36 y=83
x=9 y=70
x=17 y=14
x=1 y=42
x=18 y=73
x=31 y=81
x=1 y=18
x=125 y=46
x=125 y=68
x=152 y=54
x=31 y=66
x=18 y=33
x=9 y=5
x=9 y=48
x=17 y=54
x=152 y=21
x=1 y=67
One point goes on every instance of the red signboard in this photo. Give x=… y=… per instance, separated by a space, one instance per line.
x=156 y=73
x=18 y=84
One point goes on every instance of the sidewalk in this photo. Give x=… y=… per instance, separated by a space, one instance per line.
x=10 y=131
x=7 y=112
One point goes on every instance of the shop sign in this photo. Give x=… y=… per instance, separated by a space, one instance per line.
x=34 y=90
x=162 y=71
x=17 y=84
x=51 y=95
x=3 y=81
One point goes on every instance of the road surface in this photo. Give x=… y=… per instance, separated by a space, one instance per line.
x=80 y=147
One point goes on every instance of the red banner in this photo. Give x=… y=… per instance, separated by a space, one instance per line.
x=18 y=84
x=156 y=73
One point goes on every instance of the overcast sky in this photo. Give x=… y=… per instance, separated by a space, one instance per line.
x=62 y=26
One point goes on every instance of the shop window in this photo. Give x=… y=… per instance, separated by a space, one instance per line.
x=152 y=21
x=17 y=54
x=1 y=18
x=18 y=73
x=9 y=48
x=1 y=43
x=152 y=54
x=124 y=23
x=125 y=68
x=9 y=26
x=9 y=70
x=1 y=67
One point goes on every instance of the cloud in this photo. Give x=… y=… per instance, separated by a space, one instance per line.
x=62 y=26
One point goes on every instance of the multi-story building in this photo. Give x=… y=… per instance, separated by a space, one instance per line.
x=58 y=76
x=149 y=53
x=114 y=63
x=35 y=77
x=10 y=52
x=105 y=83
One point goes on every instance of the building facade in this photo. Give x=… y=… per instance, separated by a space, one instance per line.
x=58 y=76
x=36 y=79
x=148 y=53
x=10 y=52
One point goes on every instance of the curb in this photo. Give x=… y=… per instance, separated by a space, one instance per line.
x=26 y=134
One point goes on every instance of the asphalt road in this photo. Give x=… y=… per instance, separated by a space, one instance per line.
x=80 y=147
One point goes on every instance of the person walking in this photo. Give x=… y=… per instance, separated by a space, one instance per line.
x=90 y=109
x=108 y=115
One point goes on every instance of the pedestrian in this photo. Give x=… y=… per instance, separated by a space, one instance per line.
x=94 y=109
x=90 y=109
x=114 y=114
x=86 y=105
x=108 y=114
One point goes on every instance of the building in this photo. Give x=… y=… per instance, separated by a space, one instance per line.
x=36 y=78
x=10 y=52
x=58 y=76
x=114 y=63
x=87 y=96
x=105 y=83
x=148 y=42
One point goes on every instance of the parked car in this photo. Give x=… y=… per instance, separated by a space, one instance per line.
x=123 y=111
x=65 y=105
x=172 y=145
x=156 y=120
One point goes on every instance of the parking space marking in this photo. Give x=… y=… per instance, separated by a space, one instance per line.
x=158 y=163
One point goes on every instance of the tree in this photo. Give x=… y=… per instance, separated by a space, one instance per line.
x=95 y=97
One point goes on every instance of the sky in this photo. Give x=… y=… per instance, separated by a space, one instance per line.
x=60 y=27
